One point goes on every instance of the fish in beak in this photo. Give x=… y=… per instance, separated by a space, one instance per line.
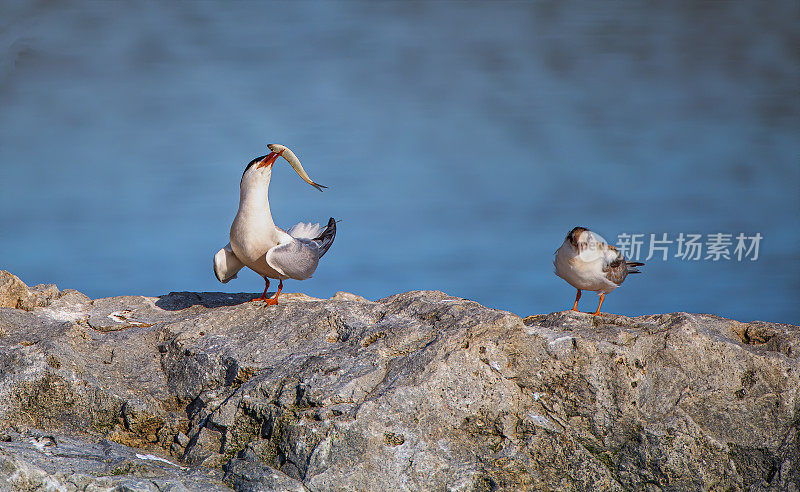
x=286 y=153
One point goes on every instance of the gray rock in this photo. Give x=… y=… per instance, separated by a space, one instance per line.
x=35 y=460
x=416 y=391
x=255 y=476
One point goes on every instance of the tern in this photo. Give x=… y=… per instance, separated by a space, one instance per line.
x=587 y=262
x=255 y=241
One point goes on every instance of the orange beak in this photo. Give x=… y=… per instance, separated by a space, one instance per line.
x=269 y=159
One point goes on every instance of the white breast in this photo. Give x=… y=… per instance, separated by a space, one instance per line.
x=583 y=275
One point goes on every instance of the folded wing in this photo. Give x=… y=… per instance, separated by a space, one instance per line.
x=298 y=257
x=616 y=267
x=226 y=264
x=295 y=259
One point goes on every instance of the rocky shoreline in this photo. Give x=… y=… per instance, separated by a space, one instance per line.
x=417 y=391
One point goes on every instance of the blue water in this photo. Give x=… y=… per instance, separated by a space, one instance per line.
x=460 y=142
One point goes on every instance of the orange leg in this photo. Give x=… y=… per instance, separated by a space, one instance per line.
x=264 y=295
x=577 y=298
x=602 y=298
x=274 y=300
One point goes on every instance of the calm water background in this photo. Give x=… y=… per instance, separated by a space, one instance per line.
x=460 y=143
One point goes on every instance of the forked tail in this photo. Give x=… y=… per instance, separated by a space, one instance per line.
x=632 y=266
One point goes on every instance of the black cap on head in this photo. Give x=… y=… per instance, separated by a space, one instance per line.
x=254 y=161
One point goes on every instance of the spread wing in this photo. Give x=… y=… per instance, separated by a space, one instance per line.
x=226 y=264
x=297 y=259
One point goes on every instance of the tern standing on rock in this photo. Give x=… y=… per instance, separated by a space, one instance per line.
x=255 y=241
x=587 y=262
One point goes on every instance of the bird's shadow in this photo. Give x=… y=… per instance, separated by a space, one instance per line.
x=176 y=301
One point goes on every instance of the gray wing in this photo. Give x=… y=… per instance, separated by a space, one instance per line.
x=616 y=270
x=297 y=259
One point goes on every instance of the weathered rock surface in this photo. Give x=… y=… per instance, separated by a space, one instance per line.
x=35 y=460
x=417 y=391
